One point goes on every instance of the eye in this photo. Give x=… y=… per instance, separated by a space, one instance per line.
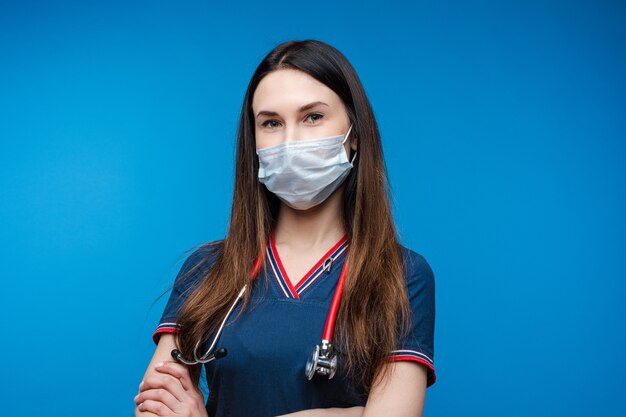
x=314 y=117
x=270 y=123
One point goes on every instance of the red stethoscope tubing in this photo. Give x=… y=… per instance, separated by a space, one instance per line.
x=256 y=268
x=329 y=327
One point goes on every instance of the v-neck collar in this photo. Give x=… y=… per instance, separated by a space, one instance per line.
x=323 y=264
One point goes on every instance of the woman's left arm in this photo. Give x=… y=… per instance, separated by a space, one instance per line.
x=402 y=394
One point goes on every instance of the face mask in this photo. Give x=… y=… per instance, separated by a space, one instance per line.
x=304 y=173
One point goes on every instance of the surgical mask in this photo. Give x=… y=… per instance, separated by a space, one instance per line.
x=304 y=173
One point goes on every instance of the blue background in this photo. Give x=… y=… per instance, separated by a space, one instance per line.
x=503 y=131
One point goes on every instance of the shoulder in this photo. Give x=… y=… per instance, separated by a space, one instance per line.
x=416 y=267
x=199 y=260
x=203 y=253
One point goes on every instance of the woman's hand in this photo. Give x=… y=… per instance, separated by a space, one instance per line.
x=170 y=393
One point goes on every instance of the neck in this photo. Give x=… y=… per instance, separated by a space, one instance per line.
x=316 y=226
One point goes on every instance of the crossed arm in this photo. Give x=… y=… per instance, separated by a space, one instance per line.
x=167 y=391
x=403 y=394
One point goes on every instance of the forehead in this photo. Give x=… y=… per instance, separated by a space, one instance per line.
x=284 y=88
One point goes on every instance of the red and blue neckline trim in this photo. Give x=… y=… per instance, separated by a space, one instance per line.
x=280 y=275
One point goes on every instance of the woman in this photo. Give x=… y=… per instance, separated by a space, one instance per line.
x=311 y=219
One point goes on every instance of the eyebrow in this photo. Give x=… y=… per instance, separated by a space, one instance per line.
x=300 y=110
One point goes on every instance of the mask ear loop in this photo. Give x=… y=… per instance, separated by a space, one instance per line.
x=344 y=141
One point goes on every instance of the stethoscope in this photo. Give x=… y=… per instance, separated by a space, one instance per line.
x=323 y=359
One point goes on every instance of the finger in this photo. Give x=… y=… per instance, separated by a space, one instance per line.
x=181 y=372
x=155 y=407
x=177 y=371
x=158 y=394
x=167 y=382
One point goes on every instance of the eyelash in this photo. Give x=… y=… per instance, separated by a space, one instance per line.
x=321 y=116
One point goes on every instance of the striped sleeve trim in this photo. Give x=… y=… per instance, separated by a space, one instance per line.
x=416 y=356
x=165 y=327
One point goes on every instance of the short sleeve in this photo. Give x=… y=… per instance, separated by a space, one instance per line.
x=186 y=281
x=419 y=343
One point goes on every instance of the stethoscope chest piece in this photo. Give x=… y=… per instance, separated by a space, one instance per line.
x=323 y=361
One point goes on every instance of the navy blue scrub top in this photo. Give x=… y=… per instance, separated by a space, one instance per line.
x=268 y=346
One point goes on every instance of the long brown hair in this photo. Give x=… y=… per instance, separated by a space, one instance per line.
x=374 y=306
